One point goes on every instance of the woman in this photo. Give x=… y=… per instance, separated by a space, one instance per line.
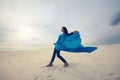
x=57 y=51
x=70 y=42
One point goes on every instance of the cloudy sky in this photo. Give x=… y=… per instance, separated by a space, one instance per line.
x=39 y=21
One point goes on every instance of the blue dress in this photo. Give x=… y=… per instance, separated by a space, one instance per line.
x=72 y=43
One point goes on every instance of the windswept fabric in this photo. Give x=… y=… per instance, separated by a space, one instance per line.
x=72 y=43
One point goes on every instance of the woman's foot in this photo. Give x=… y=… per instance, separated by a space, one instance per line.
x=66 y=64
x=49 y=65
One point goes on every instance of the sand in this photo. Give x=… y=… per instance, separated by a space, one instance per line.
x=103 y=64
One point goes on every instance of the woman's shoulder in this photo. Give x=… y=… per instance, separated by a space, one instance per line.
x=62 y=35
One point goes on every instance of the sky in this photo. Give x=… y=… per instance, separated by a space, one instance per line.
x=38 y=22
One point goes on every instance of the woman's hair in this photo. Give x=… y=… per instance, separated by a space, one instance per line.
x=65 y=31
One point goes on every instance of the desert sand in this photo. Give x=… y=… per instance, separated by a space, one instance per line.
x=103 y=64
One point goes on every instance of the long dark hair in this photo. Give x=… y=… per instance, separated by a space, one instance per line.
x=65 y=31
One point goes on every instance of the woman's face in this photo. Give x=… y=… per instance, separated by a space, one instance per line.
x=62 y=30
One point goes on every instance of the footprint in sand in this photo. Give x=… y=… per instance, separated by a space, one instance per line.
x=62 y=70
x=97 y=73
x=73 y=65
x=106 y=79
x=9 y=62
x=112 y=74
x=117 y=78
x=51 y=68
x=50 y=77
x=31 y=62
x=35 y=77
x=2 y=78
x=101 y=65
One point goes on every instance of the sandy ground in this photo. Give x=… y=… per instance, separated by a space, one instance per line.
x=103 y=64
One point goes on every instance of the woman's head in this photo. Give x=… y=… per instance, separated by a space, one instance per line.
x=64 y=30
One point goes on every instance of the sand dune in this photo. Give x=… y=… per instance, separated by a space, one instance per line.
x=103 y=64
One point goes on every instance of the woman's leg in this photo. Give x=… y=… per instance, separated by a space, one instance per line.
x=61 y=58
x=58 y=55
x=53 y=56
x=52 y=59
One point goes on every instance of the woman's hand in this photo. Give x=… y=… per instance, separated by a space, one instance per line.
x=75 y=31
x=54 y=43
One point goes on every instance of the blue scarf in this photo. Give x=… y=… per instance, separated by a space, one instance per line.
x=72 y=43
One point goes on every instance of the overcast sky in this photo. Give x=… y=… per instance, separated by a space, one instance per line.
x=40 y=21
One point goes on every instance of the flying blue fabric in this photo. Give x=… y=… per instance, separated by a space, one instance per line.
x=72 y=43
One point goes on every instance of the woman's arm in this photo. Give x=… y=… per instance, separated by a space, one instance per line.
x=60 y=39
x=73 y=32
